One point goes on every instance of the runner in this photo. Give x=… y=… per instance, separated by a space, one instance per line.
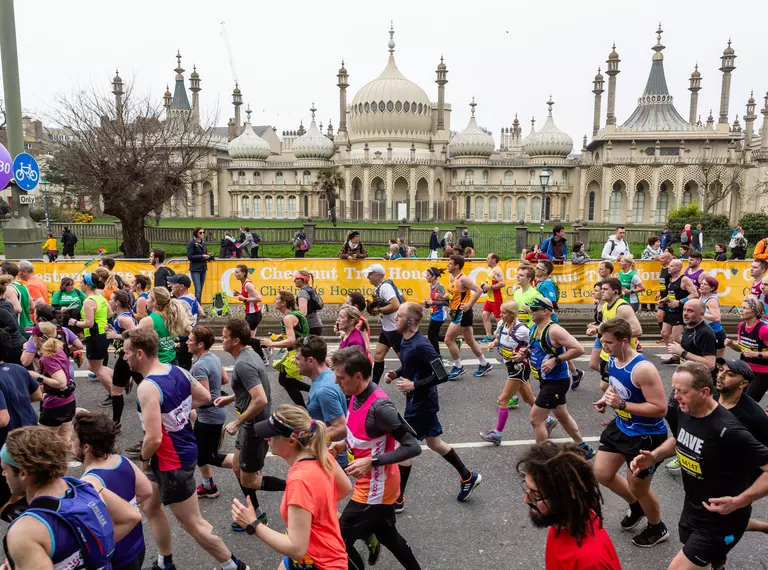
x=372 y=424
x=614 y=306
x=93 y=443
x=208 y=370
x=551 y=348
x=758 y=271
x=694 y=272
x=718 y=456
x=68 y=300
x=420 y=374
x=596 y=363
x=631 y=284
x=525 y=293
x=677 y=291
x=555 y=474
x=665 y=259
x=140 y=288
x=637 y=396
x=18 y=296
x=349 y=334
x=35 y=465
x=437 y=303
x=752 y=343
x=162 y=273
x=461 y=299
x=308 y=301
x=386 y=301
x=252 y=397
x=708 y=290
x=357 y=300
x=180 y=285
x=493 y=288
x=169 y=318
x=764 y=294
x=122 y=377
x=249 y=297
x=294 y=327
x=169 y=449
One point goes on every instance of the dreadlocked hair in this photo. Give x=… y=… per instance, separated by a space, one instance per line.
x=563 y=475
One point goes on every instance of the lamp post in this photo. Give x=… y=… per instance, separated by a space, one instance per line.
x=544 y=178
x=45 y=184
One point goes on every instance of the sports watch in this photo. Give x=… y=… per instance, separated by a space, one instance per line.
x=251 y=528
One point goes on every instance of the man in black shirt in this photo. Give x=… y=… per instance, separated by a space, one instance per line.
x=465 y=241
x=719 y=457
x=162 y=273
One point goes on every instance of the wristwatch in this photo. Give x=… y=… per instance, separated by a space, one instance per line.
x=623 y=405
x=683 y=355
x=375 y=461
x=251 y=528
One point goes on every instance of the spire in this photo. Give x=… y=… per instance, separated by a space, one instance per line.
x=312 y=110
x=726 y=66
x=180 y=98
x=391 y=43
x=659 y=47
x=179 y=70
x=473 y=105
x=167 y=98
x=550 y=103
x=248 y=114
x=194 y=81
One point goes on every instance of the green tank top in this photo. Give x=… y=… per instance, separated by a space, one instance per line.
x=166 y=352
x=626 y=283
x=99 y=317
x=25 y=317
x=302 y=329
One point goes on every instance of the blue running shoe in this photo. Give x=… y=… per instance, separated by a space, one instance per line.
x=466 y=487
x=589 y=453
x=456 y=372
x=482 y=370
x=576 y=380
x=551 y=424
x=491 y=436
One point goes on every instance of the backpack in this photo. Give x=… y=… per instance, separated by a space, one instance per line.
x=545 y=244
x=219 y=304
x=398 y=294
x=684 y=237
x=86 y=518
x=315 y=302
x=546 y=346
x=256 y=237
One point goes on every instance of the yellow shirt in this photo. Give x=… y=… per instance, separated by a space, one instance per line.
x=50 y=243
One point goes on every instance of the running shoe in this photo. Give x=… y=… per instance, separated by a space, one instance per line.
x=466 y=487
x=134 y=451
x=514 y=403
x=651 y=536
x=207 y=492
x=671 y=359
x=237 y=528
x=374 y=549
x=491 y=436
x=551 y=424
x=74 y=463
x=576 y=379
x=399 y=506
x=242 y=565
x=263 y=519
x=482 y=370
x=589 y=452
x=633 y=517
x=485 y=340
x=92 y=376
x=106 y=403
x=456 y=372
x=673 y=466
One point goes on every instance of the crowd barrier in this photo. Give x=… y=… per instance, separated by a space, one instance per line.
x=335 y=278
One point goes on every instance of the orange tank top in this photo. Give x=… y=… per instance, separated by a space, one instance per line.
x=457 y=298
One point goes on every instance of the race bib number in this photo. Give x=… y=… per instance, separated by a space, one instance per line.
x=535 y=373
x=506 y=353
x=624 y=414
x=689 y=465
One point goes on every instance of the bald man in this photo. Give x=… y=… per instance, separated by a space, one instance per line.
x=678 y=290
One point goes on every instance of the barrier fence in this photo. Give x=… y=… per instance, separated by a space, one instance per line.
x=334 y=278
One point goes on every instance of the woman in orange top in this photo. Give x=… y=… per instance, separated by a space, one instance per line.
x=110 y=283
x=314 y=485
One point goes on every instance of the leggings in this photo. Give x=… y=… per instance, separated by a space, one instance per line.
x=294 y=388
x=757 y=388
x=433 y=333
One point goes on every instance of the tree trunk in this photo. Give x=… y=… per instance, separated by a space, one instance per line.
x=135 y=245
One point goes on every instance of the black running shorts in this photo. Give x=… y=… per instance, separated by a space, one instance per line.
x=518 y=371
x=552 y=393
x=122 y=373
x=703 y=547
x=613 y=440
x=253 y=450
x=54 y=417
x=253 y=319
x=674 y=318
x=392 y=339
x=97 y=347
x=425 y=424
x=176 y=486
x=208 y=438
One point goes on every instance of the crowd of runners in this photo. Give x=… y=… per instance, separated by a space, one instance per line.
x=343 y=436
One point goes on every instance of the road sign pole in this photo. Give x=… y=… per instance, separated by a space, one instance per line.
x=22 y=235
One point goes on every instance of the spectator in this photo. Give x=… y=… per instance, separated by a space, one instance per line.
x=394 y=252
x=13 y=343
x=720 y=253
x=50 y=248
x=685 y=236
x=534 y=252
x=227 y=246
x=666 y=238
x=300 y=244
x=555 y=247
x=68 y=241
x=353 y=248
x=38 y=291
x=615 y=247
x=246 y=241
x=434 y=243
x=412 y=252
x=256 y=241
x=162 y=273
x=761 y=249
x=631 y=284
x=738 y=244
x=697 y=239
x=198 y=256
x=579 y=256
x=68 y=300
x=468 y=253
x=652 y=251
x=465 y=241
x=403 y=247
x=685 y=251
x=447 y=240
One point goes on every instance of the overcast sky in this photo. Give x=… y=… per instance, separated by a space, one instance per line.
x=509 y=55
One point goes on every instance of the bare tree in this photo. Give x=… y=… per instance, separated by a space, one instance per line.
x=717 y=182
x=329 y=181
x=133 y=157
x=3 y=117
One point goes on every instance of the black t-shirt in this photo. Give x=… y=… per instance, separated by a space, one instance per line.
x=718 y=457
x=465 y=242
x=700 y=340
x=161 y=276
x=752 y=417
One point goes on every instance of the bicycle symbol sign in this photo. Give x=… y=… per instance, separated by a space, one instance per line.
x=6 y=167
x=26 y=172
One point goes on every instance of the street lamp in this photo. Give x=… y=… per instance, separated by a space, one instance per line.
x=45 y=183
x=544 y=178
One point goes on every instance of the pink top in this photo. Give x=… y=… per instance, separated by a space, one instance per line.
x=49 y=365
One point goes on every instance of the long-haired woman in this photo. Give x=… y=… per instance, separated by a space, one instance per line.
x=437 y=302
x=140 y=288
x=752 y=343
x=110 y=283
x=357 y=300
x=346 y=324
x=306 y=300
x=122 y=375
x=708 y=287
x=72 y=344
x=313 y=487
x=10 y=324
x=169 y=319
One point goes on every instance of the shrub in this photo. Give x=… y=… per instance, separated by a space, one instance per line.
x=713 y=223
x=754 y=222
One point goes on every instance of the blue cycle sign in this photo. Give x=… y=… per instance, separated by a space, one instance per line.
x=26 y=172
x=6 y=167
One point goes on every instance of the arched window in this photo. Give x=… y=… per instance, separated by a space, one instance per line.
x=241 y=177
x=211 y=203
x=381 y=191
x=256 y=207
x=467 y=206
x=564 y=179
x=547 y=208
x=493 y=208
x=509 y=177
x=268 y=212
x=485 y=177
x=522 y=208
x=591 y=207
x=615 y=206
x=279 y=178
x=307 y=177
x=687 y=197
x=536 y=209
x=662 y=203
x=507 y=209
x=280 y=207
x=469 y=177
x=357 y=194
x=454 y=177
x=257 y=177
x=563 y=207
x=246 y=213
x=292 y=207
x=638 y=206
x=479 y=208
x=531 y=177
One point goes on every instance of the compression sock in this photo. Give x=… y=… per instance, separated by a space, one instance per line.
x=378 y=371
x=272 y=483
x=405 y=472
x=452 y=458
x=165 y=561
x=208 y=483
x=501 y=419
x=251 y=493
x=118 y=403
x=483 y=361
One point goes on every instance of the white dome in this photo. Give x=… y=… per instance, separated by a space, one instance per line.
x=549 y=140
x=472 y=141
x=391 y=103
x=249 y=146
x=313 y=144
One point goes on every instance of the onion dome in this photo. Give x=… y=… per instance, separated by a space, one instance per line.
x=696 y=73
x=613 y=56
x=472 y=141
x=313 y=144
x=249 y=145
x=599 y=76
x=549 y=140
x=729 y=50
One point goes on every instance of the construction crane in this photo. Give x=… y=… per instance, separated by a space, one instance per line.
x=229 y=51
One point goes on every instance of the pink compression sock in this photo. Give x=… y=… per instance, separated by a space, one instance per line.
x=502 y=419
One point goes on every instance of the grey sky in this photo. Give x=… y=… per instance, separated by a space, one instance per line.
x=509 y=55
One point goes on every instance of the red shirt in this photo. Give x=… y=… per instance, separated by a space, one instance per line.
x=595 y=553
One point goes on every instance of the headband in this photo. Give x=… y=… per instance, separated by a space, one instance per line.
x=300 y=434
x=88 y=278
x=432 y=272
x=5 y=456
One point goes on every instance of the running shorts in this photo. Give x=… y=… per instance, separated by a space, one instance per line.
x=54 y=417
x=720 y=338
x=552 y=393
x=97 y=347
x=425 y=424
x=613 y=440
x=674 y=318
x=208 y=437
x=392 y=339
x=703 y=547
x=176 y=486
x=122 y=373
x=461 y=318
x=134 y=564
x=519 y=371
x=253 y=450
x=253 y=319
x=359 y=520
x=493 y=307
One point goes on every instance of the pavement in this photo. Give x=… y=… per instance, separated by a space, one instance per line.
x=492 y=529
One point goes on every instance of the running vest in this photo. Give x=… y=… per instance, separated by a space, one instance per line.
x=494 y=295
x=142 y=296
x=121 y=480
x=455 y=297
x=190 y=300
x=438 y=311
x=250 y=307
x=179 y=447
x=608 y=314
x=524 y=299
x=116 y=324
x=541 y=349
x=381 y=485
x=508 y=344
x=626 y=283
x=24 y=317
x=675 y=292
x=749 y=339
x=166 y=351
x=302 y=329
x=694 y=276
x=716 y=326
x=99 y=317
x=620 y=379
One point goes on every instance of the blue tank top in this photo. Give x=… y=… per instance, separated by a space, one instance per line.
x=539 y=355
x=620 y=379
x=179 y=447
x=142 y=296
x=116 y=324
x=715 y=326
x=121 y=480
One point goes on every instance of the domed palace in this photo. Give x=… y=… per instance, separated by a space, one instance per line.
x=399 y=158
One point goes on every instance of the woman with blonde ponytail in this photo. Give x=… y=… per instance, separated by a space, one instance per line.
x=169 y=319
x=314 y=484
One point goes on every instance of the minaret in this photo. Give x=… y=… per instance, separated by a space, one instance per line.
x=612 y=71
x=237 y=100
x=727 y=60
x=194 y=86
x=764 y=140
x=329 y=133
x=749 y=121
x=117 y=91
x=441 y=80
x=342 y=84
x=516 y=132
x=167 y=99
x=695 y=87
x=710 y=120
x=598 y=91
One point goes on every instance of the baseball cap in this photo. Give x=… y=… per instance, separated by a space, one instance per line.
x=375 y=268
x=275 y=426
x=181 y=278
x=739 y=367
x=541 y=303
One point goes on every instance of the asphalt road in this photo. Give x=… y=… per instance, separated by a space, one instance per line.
x=491 y=530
